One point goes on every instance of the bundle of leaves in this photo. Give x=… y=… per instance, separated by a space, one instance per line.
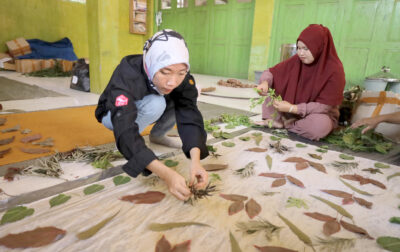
x=55 y=71
x=353 y=139
x=231 y=120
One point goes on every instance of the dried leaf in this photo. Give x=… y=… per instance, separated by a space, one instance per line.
x=272 y=175
x=389 y=243
x=320 y=216
x=11 y=172
x=355 y=229
x=16 y=214
x=346 y=157
x=269 y=193
x=92 y=189
x=234 y=244
x=302 y=236
x=295 y=160
x=354 y=188
x=58 y=200
x=171 y=163
x=7 y=140
x=278 y=182
x=149 y=197
x=256 y=149
x=319 y=157
x=120 y=180
x=15 y=128
x=335 y=244
x=34 y=150
x=393 y=175
x=273 y=249
x=38 y=237
x=3 y=120
x=244 y=138
x=344 y=166
x=301 y=166
x=299 y=145
x=31 y=138
x=295 y=181
x=215 y=167
x=26 y=131
x=234 y=197
x=182 y=247
x=94 y=229
x=347 y=201
x=4 y=152
x=381 y=165
x=252 y=208
x=158 y=227
x=376 y=183
x=48 y=142
x=269 y=161
x=260 y=225
x=363 y=202
x=373 y=171
x=275 y=138
x=163 y=245
x=235 y=207
x=318 y=166
x=228 y=144
x=246 y=171
x=331 y=227
x=338 y=193
x=338 y=208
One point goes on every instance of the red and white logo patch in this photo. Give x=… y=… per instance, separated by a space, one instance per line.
x=121 y=100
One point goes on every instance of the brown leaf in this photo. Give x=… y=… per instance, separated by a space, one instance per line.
x=320 y=216
x=273 y=249
x=235 y=207
x=338 y=193
x=376 y=183
x=149 y=197
x=252 y=208
x=15 y=128
x=256 y=149
x=3 y=120
x=301 y=166
x=7 y=140
x=317 y=166
x=347 y=201
x=272 y=175
x=355 y=229
x=34 y=238
x=215 y=167
x=363 y=202
x=11 y=172
x=3 y=152
x=34 y=150
x=363 y=180
x=295 y=181
x=163 y=245
x=31 y=138
x=278 y=182
x=354 y=177
x=331 y=227
x=295 y=160
x=182 y=247
x=234 y=197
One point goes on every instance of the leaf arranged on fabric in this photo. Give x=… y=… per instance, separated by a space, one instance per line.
x=158 y=227
x=120 y=180
x=244 y=138
x=363 y=180
x=301 y=166
x=149 y=197
x=373 y=170
x=234 y=244
x=94 y=229
x=381 y=165
x=319 y=157
x=226 y=135
x=355 y=229
x=395 y=220
x=48 y=142
x=389 y=243
x=273 y=249
x=338 y=208
x=15 y=128
x=228 y=144
x=252 y=208
x=363 y=202
x=34 y=150
x=376 y=183
x=171 y=163
x=320 y=216
x=11 y=172
x=215 y=167
x=300 y=234
x=235 y=207
x=295 y=202
x=355 y=189
x=295 y=160
x=272 y=175
x=256 y=149
x=3 y=120
x=38 y=237
x=268 y=158
x=16 y=214
x=299 y=145
x=338 y=193
x=258 y=139
x=31 y=138
x=163 y=245
x=4 y=152
x=269 y=193
x=182 y=247
x=234 y=197
x=322 y=150
x=26 y=131
x=7 y=140
x=275 y=138
x=346 y=157
x=278 y=182
x=59 y=199
x=295 y=181
x=92 y=189
x=331 y=227
x=393 y=175
x=325 y=147
x=318 y=166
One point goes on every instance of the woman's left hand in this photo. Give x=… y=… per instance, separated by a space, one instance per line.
x=282 y=106
x=198 y=172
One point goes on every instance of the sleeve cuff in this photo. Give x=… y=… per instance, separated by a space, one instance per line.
x=137 y=164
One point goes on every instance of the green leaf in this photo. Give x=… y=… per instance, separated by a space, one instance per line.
x=230 y=126
x=269 y=161
x=244 y=138
x=346 y=157
x=322 y=150
x=338 y=208
x=158 y=227
x=393 y=175
x=171 y=163
x=211 y=148
x=256 y=134
x=58 y=200
x=319 y=157
x=300 y=234
x=217 y=134
x=295 y=202
x=381 y=165
x=234 y=244
x=299 y=145
x=326 y=147
x=274 y=138
x=214 y=177
x=389 y=243
x=395 y=220
x=355 y=188
x=228 y=144
x=16 y=214
x=226 y=135
x=119 y=180
x=94 y=229
x=92 y=189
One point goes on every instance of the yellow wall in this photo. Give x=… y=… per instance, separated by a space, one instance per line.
x=262 y=26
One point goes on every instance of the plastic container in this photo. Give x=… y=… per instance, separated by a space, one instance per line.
x=394 y=87
x=375 y=85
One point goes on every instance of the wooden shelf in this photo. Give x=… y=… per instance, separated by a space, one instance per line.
x=137 y=16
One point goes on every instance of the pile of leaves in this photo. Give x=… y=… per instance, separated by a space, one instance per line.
x=55 y=71
x=354 y=140
x=231 y=120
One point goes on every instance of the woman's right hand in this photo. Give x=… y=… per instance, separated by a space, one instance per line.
x=263 y=88
x=177 y=185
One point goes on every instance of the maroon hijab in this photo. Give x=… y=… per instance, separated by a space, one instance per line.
x=321 y=81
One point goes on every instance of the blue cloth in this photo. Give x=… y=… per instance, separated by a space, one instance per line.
x=61 y=49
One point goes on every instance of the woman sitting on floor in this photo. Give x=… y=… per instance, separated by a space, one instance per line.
x=311 y=85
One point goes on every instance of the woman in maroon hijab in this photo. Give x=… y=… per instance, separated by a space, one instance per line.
x=311 y=85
